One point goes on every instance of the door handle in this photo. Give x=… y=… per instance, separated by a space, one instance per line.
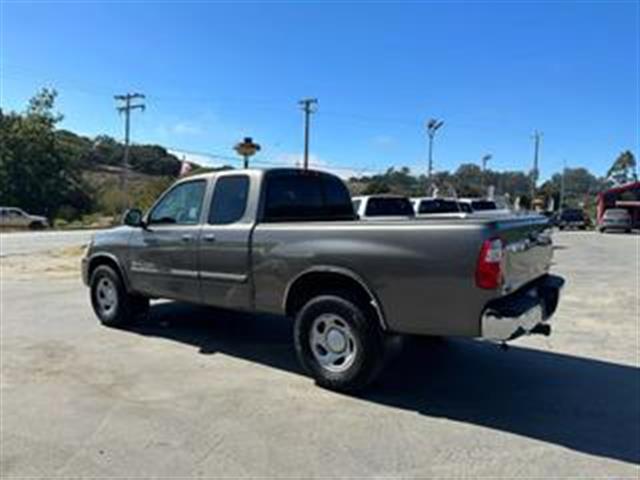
x=209 y=237
x=186 y=237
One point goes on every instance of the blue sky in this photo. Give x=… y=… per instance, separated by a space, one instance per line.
x=216 y=72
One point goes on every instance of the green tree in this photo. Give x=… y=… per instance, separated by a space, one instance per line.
x=623 y=169
x=34 y=172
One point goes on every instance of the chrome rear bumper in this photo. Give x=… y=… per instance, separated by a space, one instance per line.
x=523 y=312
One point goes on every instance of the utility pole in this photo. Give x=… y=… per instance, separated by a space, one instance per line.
x=534 y=173
x=432 y=126
x=126 y=107
x=309 y=106
x=562 y=186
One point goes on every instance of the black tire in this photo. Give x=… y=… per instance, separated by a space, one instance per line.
x=366 y=336
x=36 y=226
x=125 y=308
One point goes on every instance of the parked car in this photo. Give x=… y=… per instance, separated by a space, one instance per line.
x=12 y=217
x=437 y=206
x=287 y=242
x=616 y=219
x=572 y=218
x=484 y=207
x=382 y=206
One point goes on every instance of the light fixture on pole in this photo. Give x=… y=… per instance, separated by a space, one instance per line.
x=432 y=127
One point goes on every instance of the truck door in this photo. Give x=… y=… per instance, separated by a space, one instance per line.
x=162 y=257
x=224 y=245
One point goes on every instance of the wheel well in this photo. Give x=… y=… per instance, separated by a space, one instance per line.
x=317 y=283
x=109 y=262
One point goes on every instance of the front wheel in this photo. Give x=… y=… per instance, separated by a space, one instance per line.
x=339 y=343
x=110 y=300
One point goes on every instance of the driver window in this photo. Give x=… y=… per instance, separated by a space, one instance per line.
x=181 y=206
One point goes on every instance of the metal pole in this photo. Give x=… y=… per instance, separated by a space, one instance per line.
x=564 y=171
x=126 y=109
x=432 y=126
x=125 y=158
x=306 y=137
x=430 y=167
x=307 y=107
x=534 y=173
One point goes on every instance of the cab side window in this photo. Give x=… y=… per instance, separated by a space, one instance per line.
x=229 y=199
x=181 y=206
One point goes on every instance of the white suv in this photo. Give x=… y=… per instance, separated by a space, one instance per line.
x=17 y=218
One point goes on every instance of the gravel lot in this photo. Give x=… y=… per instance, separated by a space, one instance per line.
x=195 y=392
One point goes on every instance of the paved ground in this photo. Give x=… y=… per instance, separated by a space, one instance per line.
x=16 y=243
x=198 y=392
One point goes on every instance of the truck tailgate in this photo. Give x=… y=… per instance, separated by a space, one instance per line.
x=528 y=249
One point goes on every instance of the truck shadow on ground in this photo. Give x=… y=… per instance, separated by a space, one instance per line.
x=583 y=404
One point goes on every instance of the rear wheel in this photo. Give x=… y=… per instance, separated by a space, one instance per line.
x=338 y=342
x=110 y=300
x=36 y=226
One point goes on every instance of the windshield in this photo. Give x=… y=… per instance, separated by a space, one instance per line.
x=619 y=213
x=388 y=206
x=572 y=215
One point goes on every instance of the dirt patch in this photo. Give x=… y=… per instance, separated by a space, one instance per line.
x=56 y=263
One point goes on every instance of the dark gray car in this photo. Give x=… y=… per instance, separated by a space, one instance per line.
x=287 y=242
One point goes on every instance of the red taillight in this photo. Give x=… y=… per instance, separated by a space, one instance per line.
x=489 y=266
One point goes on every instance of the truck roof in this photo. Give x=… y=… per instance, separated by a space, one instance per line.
x=253 y=171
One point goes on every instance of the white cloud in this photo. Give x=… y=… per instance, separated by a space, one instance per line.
x=200 y=159
x=384 y=141
x=186 y=128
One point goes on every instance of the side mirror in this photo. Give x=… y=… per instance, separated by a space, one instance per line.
x=133 y=218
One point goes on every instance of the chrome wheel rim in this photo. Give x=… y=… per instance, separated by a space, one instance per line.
x=333 y=343
x=106 y=296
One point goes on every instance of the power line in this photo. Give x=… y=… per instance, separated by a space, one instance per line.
x=126 y=108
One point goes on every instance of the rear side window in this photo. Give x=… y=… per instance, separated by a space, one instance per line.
x=300 y=196
x=481 y=205
x=388 y=207
x=464 y=207
x=439 y=205
x=229 y=199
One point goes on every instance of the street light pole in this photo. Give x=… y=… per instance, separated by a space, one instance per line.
x=534 y=173
x=432 y=126
x=485 y=159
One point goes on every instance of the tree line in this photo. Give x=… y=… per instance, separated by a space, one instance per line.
x=47 y=170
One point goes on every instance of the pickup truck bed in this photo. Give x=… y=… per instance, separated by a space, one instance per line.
x=287 y=242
